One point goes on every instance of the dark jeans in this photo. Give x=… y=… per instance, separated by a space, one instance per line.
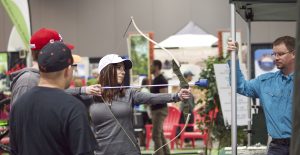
x=279 y=147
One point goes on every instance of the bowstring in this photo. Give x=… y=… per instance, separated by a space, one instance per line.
x=124 y=35
x=185 y=125
x=119 y=124
x=178 y=64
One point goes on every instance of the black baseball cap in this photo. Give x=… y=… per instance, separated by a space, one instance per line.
x=55 y=56
x=188 y=73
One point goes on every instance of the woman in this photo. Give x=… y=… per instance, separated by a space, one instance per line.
x=112 y=111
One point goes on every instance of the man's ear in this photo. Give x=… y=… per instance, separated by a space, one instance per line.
x=294 y=54
x=67 y=71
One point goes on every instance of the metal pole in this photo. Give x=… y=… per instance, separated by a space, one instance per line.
x=249 y=60
x=233 y=86
x=29 y=59
x=29 y=55
x=295 y=141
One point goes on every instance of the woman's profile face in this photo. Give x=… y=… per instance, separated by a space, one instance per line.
x=120 y=72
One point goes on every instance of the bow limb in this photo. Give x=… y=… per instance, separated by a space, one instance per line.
x=176 y=65
x=176 y=68
x=154 y=42
x=183 y=82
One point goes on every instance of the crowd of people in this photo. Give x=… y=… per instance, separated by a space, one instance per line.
x=48 y=117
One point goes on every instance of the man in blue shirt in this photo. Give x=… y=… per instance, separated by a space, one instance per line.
x=275 y=93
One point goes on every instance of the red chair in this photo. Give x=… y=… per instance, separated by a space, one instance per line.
x=4 y=139
x=169 y=127
x=4 y=115
x=196 y=134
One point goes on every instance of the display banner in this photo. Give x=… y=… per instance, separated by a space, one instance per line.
x=224 y=90
x=19 y=14
x=140 y=55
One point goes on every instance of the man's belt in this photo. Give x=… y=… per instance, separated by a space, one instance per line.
x=281 y=141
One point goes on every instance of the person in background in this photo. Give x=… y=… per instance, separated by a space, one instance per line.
x=47 y=121
x=188 y=75
x=275 y=91
x=147 y=118
x=112 y=111
x=78 y=81
x=144 y=109
x=159 y=111
x=92 y=80
x=27 y=78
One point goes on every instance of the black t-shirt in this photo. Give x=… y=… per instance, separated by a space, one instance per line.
x=160 y=79
x=47 y=121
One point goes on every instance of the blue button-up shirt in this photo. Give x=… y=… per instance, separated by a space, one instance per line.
x=275 y=91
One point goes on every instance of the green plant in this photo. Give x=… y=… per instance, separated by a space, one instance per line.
x=215 y=125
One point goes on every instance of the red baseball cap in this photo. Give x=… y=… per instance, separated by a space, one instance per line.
x=43 y=36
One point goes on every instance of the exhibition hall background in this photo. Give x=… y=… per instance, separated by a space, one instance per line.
x=96 y=27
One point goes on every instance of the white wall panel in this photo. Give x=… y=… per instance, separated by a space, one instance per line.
x=96 y=27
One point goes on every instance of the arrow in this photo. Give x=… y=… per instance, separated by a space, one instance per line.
x=200 y=83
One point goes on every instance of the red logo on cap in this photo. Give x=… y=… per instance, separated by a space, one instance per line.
x=43 y=36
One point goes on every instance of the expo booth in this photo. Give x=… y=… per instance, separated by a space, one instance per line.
x=255 y=11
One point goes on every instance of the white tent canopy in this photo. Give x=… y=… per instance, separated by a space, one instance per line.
x=190 y=36
x=190 y=46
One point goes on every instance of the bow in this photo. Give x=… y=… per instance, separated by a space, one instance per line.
x=183 y=82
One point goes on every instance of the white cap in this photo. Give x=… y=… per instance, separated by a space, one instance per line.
x=113 y=59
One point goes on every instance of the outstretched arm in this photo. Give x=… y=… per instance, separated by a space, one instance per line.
x=149 y=98
x=86 y=90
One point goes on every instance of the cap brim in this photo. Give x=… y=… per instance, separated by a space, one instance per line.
x=127 y=64
x=70 y=46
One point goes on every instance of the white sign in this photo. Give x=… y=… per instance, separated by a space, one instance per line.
x=224 y=89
